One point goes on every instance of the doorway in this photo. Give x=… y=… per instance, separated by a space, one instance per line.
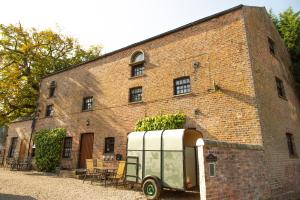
x=22 y=150
x=86 y=148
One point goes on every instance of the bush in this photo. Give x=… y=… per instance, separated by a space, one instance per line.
x=161 y=122
x=48 y=144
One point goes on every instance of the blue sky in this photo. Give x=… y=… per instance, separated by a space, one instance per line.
x=117 y=23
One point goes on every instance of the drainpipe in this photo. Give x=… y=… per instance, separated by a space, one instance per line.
x=35 y=116
x=200 y=152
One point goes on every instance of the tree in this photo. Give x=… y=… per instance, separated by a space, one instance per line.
x=288 y=26
x=27 y=55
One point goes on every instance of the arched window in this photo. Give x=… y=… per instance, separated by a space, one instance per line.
x=137 y=57
x=137 y=64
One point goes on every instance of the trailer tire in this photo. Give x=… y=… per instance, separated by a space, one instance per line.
x=152 y=188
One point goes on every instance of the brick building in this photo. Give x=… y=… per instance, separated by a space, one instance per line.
x=229 y=73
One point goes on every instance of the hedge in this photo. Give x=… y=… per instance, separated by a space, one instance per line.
x=48 y=144
x=161 y=122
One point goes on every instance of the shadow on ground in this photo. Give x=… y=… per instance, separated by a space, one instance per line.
x=15 y=197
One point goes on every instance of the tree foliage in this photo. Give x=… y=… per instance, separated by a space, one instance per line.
x=288 y=26
x=161 y=122
x=26 y=55
x=48 y=144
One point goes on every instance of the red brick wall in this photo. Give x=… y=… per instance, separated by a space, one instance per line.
x=278 y=116
x=229 y=114
x=240 y=173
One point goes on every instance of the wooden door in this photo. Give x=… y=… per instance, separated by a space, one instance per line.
x=86 y=148
x=22 y=150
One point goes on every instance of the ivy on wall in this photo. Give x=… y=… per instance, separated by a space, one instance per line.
x=161 y=122
x=48 y=144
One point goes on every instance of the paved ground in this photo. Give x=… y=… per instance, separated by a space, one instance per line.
x=34 y=185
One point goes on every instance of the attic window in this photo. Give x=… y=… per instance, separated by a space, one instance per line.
x=137 y=57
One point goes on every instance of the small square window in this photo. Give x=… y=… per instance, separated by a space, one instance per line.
x=291 y=144
x=109 y=145
x=137 y=70
x=280 y=88
x=49 y=111
x=67 y=150
x=271 y=46
x=182 y=85
x=87 y=103
x=135 y=94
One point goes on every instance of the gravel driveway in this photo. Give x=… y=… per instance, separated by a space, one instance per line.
x=34 y=185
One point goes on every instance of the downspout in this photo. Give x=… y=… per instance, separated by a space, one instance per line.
x=35 y=116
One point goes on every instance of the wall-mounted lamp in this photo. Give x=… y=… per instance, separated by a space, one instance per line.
x=87 y=122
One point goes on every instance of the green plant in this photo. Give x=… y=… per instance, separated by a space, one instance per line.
x=48 y=144
x=161 y=122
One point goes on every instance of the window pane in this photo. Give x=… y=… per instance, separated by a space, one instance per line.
x=138 y=57
x=137 y=70
x=13 y=146
x=135 y=94
x=290 y=143
x=182 y=85
x=67 y=147
x=87 y=103
x=280 y=87
x=109 y=145
x=49 y=111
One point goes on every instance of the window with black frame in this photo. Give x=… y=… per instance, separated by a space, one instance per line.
x=182 y=85
x=109 y=145
x=137 y=70
x=271 y=46
x=87 y=103
x=280 y=88
x=52 y=89
x=13 y=146
x=49 y=111
x=135 y=94
x=67 y=150
x=291 y=144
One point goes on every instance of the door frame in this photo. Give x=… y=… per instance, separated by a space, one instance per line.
x=79 y=151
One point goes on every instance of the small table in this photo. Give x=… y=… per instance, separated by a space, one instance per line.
x=106 y=171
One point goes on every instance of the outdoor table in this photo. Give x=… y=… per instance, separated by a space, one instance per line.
x=106 y=171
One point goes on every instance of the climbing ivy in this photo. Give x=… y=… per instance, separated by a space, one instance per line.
x=161 y=122
x=48 y=144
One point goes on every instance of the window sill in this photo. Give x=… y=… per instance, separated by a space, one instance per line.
x=294 y=157
x=87 y=110
x=136 y=102
x=137 y=63
x=183 y=95
x=135 y=77
x=282 y=97
x=48 y=116
x=66 y=158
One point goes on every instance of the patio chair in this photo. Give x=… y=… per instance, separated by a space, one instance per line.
x=119 y=174
x=25 y=164
x=98 y=174
x=89 y=169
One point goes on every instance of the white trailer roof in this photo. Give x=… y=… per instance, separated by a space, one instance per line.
x=171 y=140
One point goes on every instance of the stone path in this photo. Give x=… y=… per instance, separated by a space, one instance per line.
x=34 y=185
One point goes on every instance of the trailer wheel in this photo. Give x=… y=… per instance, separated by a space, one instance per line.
x=151 y=188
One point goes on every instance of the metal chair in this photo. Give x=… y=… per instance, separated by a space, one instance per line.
x=119 y=174
x=89 y=169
